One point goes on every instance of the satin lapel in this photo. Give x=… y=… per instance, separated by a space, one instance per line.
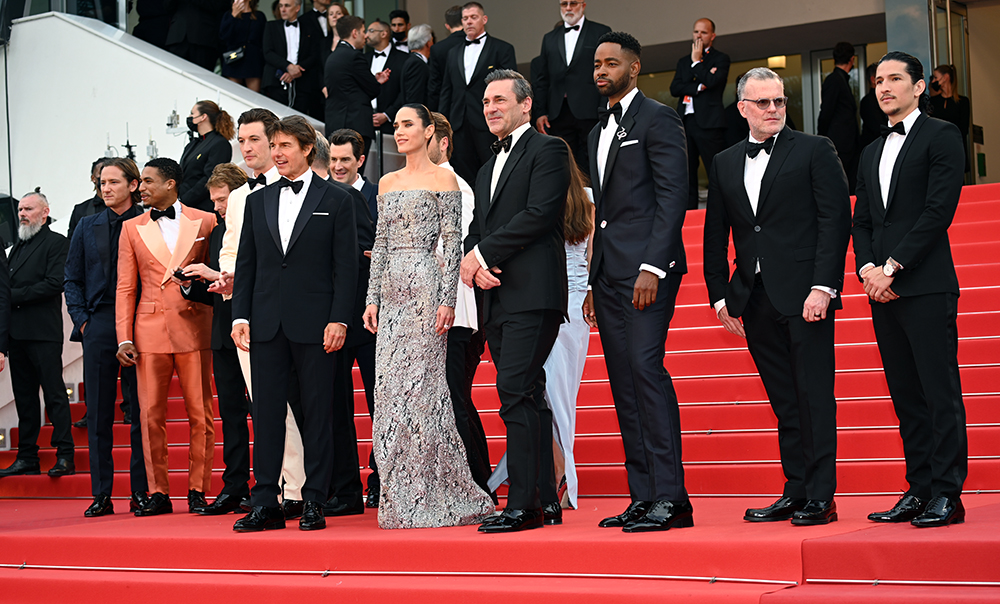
x=461 y=62
x=876 y=177
x=309 y=205
x=512 y=159
x=628 y=120
x=912 y=134
x=484 y=58
x=102 y=237
x=782 y=149
x=153 y=240
x=271 y=198
x=579 y=44
x=739 y=168
x=561 y=47
x=483 y=191
x=593 y=139
x=186 y=235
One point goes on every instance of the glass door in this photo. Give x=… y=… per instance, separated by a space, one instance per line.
x=950 y=39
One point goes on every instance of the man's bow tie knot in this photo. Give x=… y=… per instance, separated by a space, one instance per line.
x=502 y=145
x=470 y=42
x=158 y=214
x=753 y=149
x=886 y=129
x=260 y=181
x=291 y=23
x=603 y=113
x=296 y=185
x=379 y=54
x=573 y=28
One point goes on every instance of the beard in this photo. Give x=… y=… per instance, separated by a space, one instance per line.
x=615 y=86
x=27 y=231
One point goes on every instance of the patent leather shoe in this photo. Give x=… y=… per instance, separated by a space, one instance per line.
x=634 y=511
x=101 y=506
x=292 y=508
x=941 y=511
x=816 y=511
x=371 y=499
x=158 y=503
x=662 y=516
x=64 y=467
x=223 y=504
x=312 y=517
x=20 y=468
x=782 y=509
x=196 y=500
x=552 y=513
x=344 y=506
x=261 y=518
x=906 y=509
x=513 y=520
x=82 y=423
x=137 y=500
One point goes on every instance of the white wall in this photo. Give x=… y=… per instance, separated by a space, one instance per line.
x=984 y=51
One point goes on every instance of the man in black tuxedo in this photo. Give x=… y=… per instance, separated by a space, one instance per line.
x=317 y=17
x=786 y=286
x=416 y=69
x=36 y=338
x=564 y=85
x=838 y=111
x=698 y=83
x=91 y=287
x=292 y=69
x=515 y=251
x=293 y=296
x=350 y=84
x=464 y=84
x=193 y=33
x=439 y=55
x=385 y=57
x=4 y=308
x=909 y=184
x=640 y=189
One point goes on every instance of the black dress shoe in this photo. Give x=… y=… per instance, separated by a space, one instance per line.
x=941 y=511
x=292 y=508
x=102 y=506
x=245 y=504
x=196 y=499
x=127 y=420
x=223 y=504
x=312 y=517
x=906 y=509
x=816 y=511
x=82 y=424
x=157 y=504
x=137 y=500
x=634 y=511
x=513 y=520
x=662 y=516
x=20 y=468
x=782 y=509
x=344 y=506
x=64 y=467
x=261 y=518
x=552 y=513
x=371 y=499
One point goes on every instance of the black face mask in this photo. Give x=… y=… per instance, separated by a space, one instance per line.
x=399 y=36
x=935 y=85
x=191 y=125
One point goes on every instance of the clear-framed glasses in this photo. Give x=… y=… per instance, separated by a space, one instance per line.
x=764 y=104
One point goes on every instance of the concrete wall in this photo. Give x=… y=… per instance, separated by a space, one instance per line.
x=984 y=50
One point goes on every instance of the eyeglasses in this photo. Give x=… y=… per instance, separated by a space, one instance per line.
x=571 y=4
x=763 y=104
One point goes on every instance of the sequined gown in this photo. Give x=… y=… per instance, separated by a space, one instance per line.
x=425 y=477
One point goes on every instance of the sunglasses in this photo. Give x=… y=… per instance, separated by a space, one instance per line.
x=763 y=104
x=569 y=4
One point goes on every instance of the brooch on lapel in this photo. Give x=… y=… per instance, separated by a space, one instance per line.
x=199 y=156
x=621 y=133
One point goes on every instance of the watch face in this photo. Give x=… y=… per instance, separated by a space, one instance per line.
x=887 y=270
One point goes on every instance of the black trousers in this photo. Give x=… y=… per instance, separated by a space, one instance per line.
x=293 y=95
x=465 y=350
x=645 y=401
x=472 y=150
x=575 y=132
x=346 y=480
x=796 y=362
x=918 y=341
x=35 y=364
x=233 y=410
x=519 y=344
x=271 y=366
x=100 y=375
x=704 y=143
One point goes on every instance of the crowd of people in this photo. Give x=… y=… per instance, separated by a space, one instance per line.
x=298 y=268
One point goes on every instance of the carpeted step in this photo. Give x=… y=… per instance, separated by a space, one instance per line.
x=881 y=593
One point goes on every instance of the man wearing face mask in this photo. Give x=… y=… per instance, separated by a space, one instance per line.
x=399 y=22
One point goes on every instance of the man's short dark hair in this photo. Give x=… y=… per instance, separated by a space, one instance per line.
x=453 y=16
x=842 y=53
x=871 y=70
x=298 y=128
x=399 y=13
x=626 y=41
x=258 y=114
x=474 y=4
x=347 y=24
x=442 y=129
x=522 y=89
x=346 y=136
x=168 y=169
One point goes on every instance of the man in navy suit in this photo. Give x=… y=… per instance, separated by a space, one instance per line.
x=90 y=288
x=347 y=156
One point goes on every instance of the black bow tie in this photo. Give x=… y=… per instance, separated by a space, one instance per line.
x=260 y=181
x=886 y=129
x=296 y=185
x=754 y=149
x=379 y=54
x=157 y=214
x=573 y=28
x=291 y=23
x=603 y=113
x=476 y=41
x=502 y=145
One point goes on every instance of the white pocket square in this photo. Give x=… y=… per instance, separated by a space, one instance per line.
x=627 y=143
x=199 y=239
x=321 y=213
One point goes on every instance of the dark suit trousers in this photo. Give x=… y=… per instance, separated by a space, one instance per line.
x=346 y=480
x=918 y=341
x=648 y=416
x=704 y=143
x=519 y=344
x=100 y=375
x=796 y=363
x=472 y=150
x=271 y=366
x=233 y=410
x=35 y=364
x=575 y=132
x=294 y=95
x=465 y=350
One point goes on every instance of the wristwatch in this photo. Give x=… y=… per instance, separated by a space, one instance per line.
x=891 y=267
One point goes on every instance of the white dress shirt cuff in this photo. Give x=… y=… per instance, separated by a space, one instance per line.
x=124 y=342
x=718 y=306
x=479 y=257
x=866 y=267
x=829 y=290
x=240 y=322
x=649 y=267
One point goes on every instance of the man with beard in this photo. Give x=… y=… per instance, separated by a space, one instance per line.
x=399 y=22
x=37 y=261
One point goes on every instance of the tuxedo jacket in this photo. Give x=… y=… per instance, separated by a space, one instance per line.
x=838 y=114
x=390 y=94
x=357 y=335
x=575 y=82
x=641 y=203
x=912 y=227
x=4 y=303
x=150 y=310
x=462 y=103
x=520 y=230
x=350 y=88
x=414 y=80
x=872 y=119
x=276 y=55
x=370 y=191
x=800 y=231
x=311 y=284
x=198 y=160
x=708 y=108
x=36 y=285
x=195 y=21
x=88 y=266
x=436 y=65
x=222 y=309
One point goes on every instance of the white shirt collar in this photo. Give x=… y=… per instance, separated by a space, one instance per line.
x=627 y=100
x=422 y=57
x=358 y=182
x=753 y=140
x=518 y=133
x=480 y=37
x=272 y=174
x=910 y=119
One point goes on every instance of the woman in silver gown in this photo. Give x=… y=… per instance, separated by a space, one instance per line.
x=425 y=477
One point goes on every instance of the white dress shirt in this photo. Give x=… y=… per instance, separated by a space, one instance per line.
x=171 y=227
x=378 y=65
x=495 y=177
x=422 y=57
x=465 y=303
x=570 y=37
x=292 y=40
x=688 y=100
x=359 y=182
x=289 y=206
x=471 y=56
x=323 y=23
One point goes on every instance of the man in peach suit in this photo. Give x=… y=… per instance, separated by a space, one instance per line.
x=160 y=332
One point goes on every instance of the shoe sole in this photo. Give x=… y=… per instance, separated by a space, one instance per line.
x=686 y=522
x=107 y=513
x=553 y=521
x=810 y=522
x=318 y=527
x=773 y=519
x=962 y=521
x=258 y=530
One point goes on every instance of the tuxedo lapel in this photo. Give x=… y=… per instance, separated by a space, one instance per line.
x=483 y=201
x=624 y=128
x=737 y=168
x=484 y=58
x=515 y=156
x=309 y=205
x=593 y=139
x=461 y=62
x=910 y=136
x=561 y=47
x=783 y=146
x=153 y=240
x=271 y=195
x=186 y=234
x=876 y=177
x=579 y=44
